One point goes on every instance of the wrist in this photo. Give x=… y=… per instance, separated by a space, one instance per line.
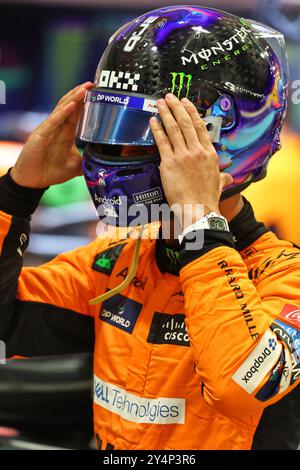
x=18 y=178
x=15 y=177
x=18 y=200
x=211 y=222
x=189 y=214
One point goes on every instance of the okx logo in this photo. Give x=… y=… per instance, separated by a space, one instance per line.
x=119 y=80
x=180 y=82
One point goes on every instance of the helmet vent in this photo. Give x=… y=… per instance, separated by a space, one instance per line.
x=133 y=171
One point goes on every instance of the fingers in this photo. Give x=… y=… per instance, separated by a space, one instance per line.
x=64 y=110
x=183 y=120
x=73 y=118
x=198 y=123
x=70 y=96
x=56 y=119
x=76 y=95
x=161 y=139
x=172 y=127
x=183 y=125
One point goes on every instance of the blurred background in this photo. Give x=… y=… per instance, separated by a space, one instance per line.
x=46 y=48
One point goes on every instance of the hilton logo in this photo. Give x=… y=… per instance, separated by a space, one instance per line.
x=148 y=197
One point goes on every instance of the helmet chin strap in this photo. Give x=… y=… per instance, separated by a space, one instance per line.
x=130 y=276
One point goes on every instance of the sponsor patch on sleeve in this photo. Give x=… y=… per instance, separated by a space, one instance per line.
x=290 y=336
x=291 y=314
x=278 y=380
x=259 y=363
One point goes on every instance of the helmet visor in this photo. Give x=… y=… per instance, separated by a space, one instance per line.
x=123 y=119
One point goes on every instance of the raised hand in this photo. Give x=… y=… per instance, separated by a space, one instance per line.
x=189 y=163
x=49 y=155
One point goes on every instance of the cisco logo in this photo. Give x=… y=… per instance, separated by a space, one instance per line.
x=168 y=329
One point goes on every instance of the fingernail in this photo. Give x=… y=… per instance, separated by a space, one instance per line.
x=171 y=97
x=161 y=103
x=185 y=101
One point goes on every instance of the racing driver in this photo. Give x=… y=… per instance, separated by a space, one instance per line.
x=192 y=347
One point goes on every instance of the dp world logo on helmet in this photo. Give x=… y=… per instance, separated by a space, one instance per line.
x=181 y=81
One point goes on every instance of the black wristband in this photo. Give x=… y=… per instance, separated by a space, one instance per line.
x=245 y=228
x=212 y=239
x=17 y=200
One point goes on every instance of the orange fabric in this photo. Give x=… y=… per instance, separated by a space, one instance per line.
x=161 y=395
x=64 y=282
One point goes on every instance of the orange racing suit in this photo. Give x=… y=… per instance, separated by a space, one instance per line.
x=189 y=355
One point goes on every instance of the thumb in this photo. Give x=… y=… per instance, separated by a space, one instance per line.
x=225 y=180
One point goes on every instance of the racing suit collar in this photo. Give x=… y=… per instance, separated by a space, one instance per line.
x=166 y=257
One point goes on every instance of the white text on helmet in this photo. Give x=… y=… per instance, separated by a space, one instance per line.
x=134 y=39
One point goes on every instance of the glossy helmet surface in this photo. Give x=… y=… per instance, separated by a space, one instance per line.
x=234 y=70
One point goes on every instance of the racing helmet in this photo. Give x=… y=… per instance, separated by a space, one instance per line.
x=234 y=70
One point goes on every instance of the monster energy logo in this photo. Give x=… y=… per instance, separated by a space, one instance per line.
x=173 y=256
x=179 y=80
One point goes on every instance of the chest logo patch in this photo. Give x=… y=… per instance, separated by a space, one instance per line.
x=121 y=312
x=105 y=261
x=168 y=329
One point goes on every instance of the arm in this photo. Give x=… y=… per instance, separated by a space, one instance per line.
x=245 y=357
x=43 y=310
x=244 y=346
